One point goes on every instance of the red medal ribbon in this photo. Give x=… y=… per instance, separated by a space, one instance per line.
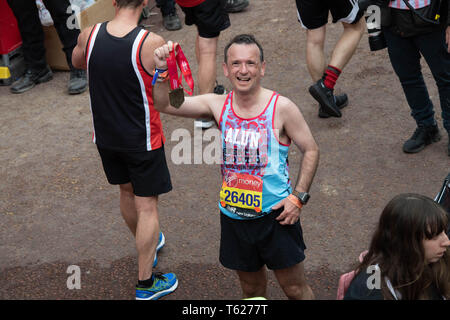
x=177 y=57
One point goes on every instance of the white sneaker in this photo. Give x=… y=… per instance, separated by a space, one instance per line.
x=203 y=123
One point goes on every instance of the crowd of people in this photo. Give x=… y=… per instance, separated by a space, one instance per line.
x=260 y=209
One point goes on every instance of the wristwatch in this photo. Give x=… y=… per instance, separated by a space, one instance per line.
x=302 y=196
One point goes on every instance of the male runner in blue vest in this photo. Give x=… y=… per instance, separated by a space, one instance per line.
x=260 y=211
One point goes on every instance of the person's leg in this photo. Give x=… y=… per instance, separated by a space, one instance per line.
x=151 y=285
x=347 y=43
x=33 y=48
x=147 y=231
x=171 y=21
x=292 y=281
x=69 y=36
x=253 y=284
x=166 y=6
x=31 y=31
x=128 y=207
x=206 y=53
x=434 y=49
x=315 y=56
x=405 y=59
x=150 y=177
x=316 y=63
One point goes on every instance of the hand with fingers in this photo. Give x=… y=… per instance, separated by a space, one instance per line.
x=290 y=213
x=162 y=53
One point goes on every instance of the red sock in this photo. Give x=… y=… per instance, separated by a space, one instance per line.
x=330 y=77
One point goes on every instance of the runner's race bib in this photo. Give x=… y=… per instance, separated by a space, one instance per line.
x=242 y=194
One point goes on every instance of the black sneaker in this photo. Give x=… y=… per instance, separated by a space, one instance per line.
x=341 y=102
x=325 y=97
x=30 y=79
x=219 y=89
x=172 y=22
x=422 y=137
x=77 y=82
x=232 y=6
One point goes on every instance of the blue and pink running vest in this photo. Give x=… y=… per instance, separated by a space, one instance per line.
x=255 y=166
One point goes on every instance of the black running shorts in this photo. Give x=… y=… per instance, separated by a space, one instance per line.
x=313 y=14
x=248 y=245
x=209 y=16
x=147 y=171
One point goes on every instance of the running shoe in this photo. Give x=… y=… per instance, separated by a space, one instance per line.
x=325 y=97
x=232 y=6
x=161 y=243
x=341 y=102
x=163 y=284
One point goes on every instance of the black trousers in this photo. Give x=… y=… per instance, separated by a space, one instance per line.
x=167 y=6
x=27 y=15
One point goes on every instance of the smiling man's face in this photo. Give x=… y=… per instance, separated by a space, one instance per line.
x=244 y=68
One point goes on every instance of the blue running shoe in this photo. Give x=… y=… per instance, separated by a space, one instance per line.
x=161 y=243
x=163 y=284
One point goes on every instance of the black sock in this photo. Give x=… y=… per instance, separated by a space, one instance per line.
x=146 y=283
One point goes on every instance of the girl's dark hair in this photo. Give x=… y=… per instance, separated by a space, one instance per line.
x=243 y=39
x=397 y=247
x=129 y=3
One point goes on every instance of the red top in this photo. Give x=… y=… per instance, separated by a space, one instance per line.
x=189 y=3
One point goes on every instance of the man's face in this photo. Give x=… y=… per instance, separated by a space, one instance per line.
x=244 y=68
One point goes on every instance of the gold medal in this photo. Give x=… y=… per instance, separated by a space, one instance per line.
x=176 y=97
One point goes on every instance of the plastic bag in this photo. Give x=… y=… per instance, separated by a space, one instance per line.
x=44 y=15
x=82 y=4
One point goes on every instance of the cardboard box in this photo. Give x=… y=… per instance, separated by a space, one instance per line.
x=100 y=11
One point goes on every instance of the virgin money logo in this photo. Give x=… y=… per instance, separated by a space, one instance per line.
x=250 y=183
x=231 y=179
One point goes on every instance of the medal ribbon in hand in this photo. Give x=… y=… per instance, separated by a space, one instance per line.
x=177 y=57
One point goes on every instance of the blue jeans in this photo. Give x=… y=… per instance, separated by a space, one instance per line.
x=405 y=54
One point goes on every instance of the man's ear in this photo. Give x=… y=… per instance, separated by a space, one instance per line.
x=263 y=68
x=225 y=69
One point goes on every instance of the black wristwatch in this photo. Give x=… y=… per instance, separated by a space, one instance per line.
x=302 y=196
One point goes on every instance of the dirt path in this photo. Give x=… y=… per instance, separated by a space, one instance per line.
x=57 y=210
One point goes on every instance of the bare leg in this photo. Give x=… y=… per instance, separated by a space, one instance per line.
x=206 y=53
x=253 y=284
x=146 y=234
x=292 y=281
x=346 y=46
x=128 y=207
x=315 y=56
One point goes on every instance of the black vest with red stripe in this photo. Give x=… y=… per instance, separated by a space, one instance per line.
x=121 y=93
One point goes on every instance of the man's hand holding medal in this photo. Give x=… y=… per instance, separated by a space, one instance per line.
x=168 y=58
